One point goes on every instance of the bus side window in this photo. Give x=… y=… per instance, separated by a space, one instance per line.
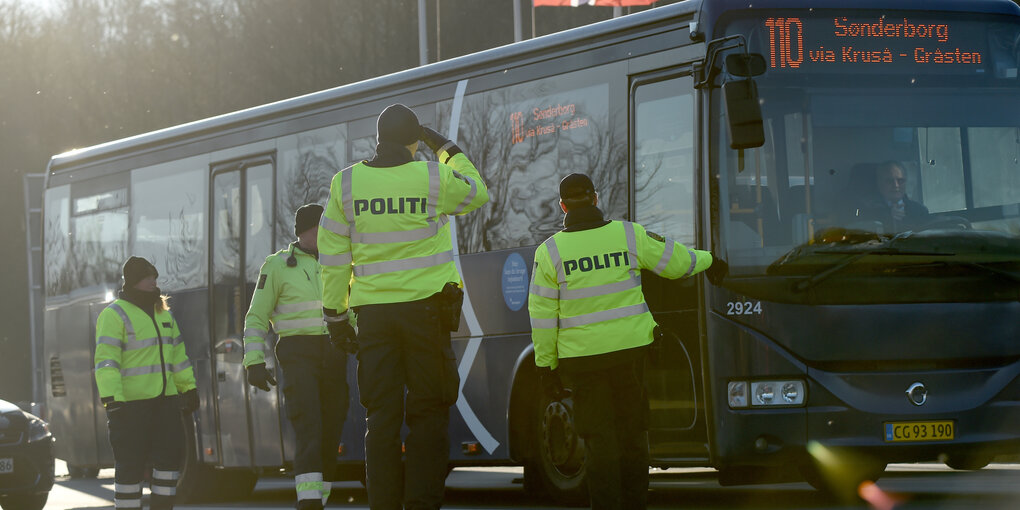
x=525 y=137
x=98 y=231
x=170 y=229
x=306 y=166
x=56 y=226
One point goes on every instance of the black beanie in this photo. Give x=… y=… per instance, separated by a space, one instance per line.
x=136 y=269
x=306 y=217
x=576 y=186
x=398 y=124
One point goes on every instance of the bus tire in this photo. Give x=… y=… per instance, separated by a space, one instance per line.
x=75 y=471
x=556 y=469
x=968 y=462
x=203 y=483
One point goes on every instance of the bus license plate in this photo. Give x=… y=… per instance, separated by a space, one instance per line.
x=7 y=465
x=911 y=431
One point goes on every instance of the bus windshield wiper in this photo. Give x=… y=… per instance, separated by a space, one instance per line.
x=985 y=267
x=844 y=240
x=856 y=252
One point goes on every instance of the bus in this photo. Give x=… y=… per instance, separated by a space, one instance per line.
x=826 y=342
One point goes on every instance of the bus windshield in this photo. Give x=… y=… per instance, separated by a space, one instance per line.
x=877 y=125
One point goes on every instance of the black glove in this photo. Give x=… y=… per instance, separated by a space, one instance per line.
x=190 y=402
x=433 y=139
x=552 y=386
x=260 y=377
x=717 y=271
x=110 y=404
x=342 y=336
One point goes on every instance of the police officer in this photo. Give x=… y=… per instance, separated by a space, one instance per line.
x=590 y=322
x=387 y=253
x=289 y=296
x=144 y=380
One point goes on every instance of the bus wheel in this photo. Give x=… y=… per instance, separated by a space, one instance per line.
x=967 y=462
x=75 y=471
x=557 y=468
x=200 y=482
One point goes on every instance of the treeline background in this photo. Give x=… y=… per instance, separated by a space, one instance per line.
x=75 y=73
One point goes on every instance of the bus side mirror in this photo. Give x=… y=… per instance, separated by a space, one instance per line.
x=745 y=65
x=743 y=114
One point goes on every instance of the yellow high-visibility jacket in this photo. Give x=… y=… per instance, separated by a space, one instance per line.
x=139 y=356
x=585 y=296
x=289 y=298
x=384 y=236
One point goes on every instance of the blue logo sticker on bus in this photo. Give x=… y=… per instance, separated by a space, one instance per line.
x=515 y=281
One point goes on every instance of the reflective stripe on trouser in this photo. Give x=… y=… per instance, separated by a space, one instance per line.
x=127 y=495
x=164 y=489
x=326 y=487
x=315 y=389
x=308 y=486
x=411 y=355
x=143 y=432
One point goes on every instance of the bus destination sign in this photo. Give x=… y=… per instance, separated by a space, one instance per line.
x=545 y=120
x=882 y=44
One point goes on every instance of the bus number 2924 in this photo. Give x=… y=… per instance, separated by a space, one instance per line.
x=743 y=308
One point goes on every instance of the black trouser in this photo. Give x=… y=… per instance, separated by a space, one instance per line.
x=315 y=389
x=142 y=432
x=404 y=349
x=611 y=415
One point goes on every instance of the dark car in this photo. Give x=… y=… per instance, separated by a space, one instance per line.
x=26 y=459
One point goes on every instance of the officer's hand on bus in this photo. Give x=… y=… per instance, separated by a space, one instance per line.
x=260 y=377
x=717 y=271
x=190 y=401
x=552 y=386
x=432 y=138
x=343 y=336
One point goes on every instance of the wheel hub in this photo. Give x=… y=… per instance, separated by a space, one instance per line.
x=560 y=440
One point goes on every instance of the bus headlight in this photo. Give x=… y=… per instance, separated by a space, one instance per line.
x=736 y=392
x=777 y=393
x=765 y=393
x=792 y=392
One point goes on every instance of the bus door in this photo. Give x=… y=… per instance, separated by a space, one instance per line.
x=242 y=237
x=662 y=124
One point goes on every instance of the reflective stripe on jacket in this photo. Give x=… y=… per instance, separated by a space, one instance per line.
x=384 y=236
x=139 y=357
x=585 y=296
x=289 y=298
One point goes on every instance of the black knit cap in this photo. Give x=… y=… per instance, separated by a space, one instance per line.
x=306 y=217
x=576 y=186
x=137 y=269
x=398 y=124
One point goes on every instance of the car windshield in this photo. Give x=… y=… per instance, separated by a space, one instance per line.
x=872 y=136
